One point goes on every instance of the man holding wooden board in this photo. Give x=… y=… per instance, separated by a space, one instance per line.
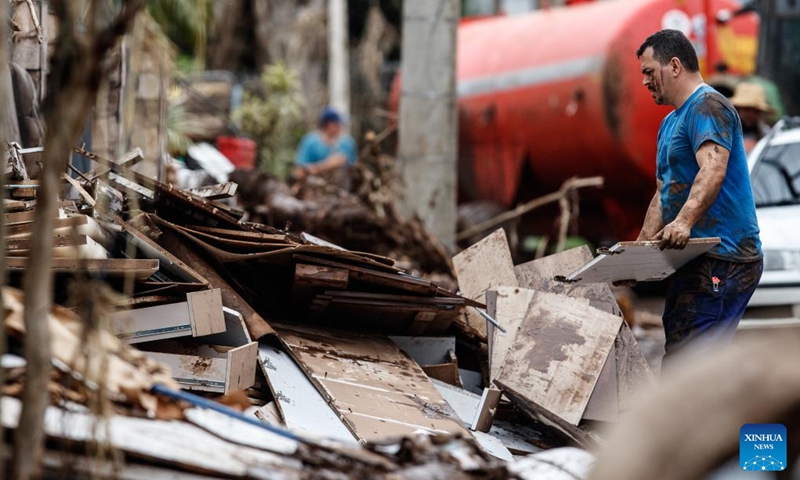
x=703 y=191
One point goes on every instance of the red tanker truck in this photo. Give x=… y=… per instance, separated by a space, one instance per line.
x=553 y=94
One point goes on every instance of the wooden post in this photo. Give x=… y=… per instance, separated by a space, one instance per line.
x=6 y=98
x=428 y=129
x=338 y=58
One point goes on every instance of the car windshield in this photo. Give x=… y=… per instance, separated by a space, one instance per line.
x=776 y=176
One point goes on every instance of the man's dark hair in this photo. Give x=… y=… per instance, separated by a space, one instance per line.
x=668 y=44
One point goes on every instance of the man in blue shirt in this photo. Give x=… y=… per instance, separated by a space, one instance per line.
x=326 y=149
x=703 y=190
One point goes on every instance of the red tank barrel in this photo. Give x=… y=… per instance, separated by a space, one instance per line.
x=558 y=93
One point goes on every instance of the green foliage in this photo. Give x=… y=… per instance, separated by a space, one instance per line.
x=182 y=129
x=186 y=23
x=275 y=120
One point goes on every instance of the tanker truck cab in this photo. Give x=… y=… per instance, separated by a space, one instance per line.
x=775 y=176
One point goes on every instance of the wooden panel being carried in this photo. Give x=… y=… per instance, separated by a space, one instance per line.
x=642 y=261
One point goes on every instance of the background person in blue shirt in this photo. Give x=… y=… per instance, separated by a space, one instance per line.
x=703 y=191
x=326 y=149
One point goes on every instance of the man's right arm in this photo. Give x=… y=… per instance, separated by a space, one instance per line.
x=653 y=221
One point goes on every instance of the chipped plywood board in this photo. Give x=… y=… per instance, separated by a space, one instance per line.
x=539 y=274
x=484 y=266
x=632 y=370
x=558 y=353
x=643 y=261
x=302 y=407
x=378 y=390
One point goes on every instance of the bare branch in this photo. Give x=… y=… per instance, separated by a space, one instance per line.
x=76 y=69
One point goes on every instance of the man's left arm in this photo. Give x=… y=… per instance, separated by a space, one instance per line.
x=713 y=161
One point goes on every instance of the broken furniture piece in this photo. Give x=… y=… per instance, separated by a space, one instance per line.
x=642 y=261
x=207 y=368
x=201 y=314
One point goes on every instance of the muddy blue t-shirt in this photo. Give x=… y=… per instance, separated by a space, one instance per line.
x=708 y=116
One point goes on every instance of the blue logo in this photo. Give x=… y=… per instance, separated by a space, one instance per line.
x=762 y=447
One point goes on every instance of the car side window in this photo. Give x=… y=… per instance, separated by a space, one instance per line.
x=776 y=176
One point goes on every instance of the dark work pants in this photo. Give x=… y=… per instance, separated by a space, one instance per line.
x=696 y=313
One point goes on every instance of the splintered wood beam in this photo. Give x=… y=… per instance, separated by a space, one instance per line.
x=117 y=267
x=216 y=192
x=316 y=276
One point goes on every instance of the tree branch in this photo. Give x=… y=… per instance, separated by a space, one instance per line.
x=76 y=70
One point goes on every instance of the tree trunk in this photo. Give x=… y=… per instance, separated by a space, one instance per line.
x=8 y=122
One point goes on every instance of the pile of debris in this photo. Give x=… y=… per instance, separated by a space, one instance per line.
x=331 y=348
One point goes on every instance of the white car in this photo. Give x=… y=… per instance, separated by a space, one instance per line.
x=775 y=175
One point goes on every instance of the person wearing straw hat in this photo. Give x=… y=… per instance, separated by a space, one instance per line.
x=750 y=101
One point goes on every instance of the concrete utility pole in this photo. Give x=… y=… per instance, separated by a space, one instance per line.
x=428 y=129
x=338 y=58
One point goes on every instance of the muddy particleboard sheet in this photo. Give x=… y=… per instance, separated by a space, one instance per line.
x=377 y=390
x=558 y=353
x=642 y=261
x=484 y=266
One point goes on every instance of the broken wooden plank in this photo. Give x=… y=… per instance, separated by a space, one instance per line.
x=167 y=261
x=216 y=192
x=256 y=324
x=118 y=267
x=643 y=261
x=270 y=413
x=377 y=390
x=240 y=234
x=207 y=368
x=519 y=439
x=558 y=353
x=540 y=275
x=482 y=267
x=302 y=407
x=165 y=442
x=484 y=414
x=316 y=276
x=201 y=314
x=79 y=188
x=633 y=372
x=511 y=305
x=127 y=185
